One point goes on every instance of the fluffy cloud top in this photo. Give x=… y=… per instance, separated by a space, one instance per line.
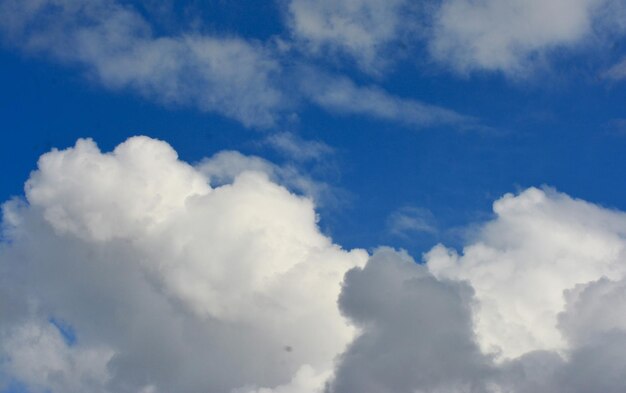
x=540 y=244
x=534 y=304
x=341 y=95
x=170 y=284
x=170 y=280
x=245 y=80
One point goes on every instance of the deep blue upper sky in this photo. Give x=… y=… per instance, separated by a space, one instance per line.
x=557 y=126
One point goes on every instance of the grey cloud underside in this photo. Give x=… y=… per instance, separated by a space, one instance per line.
x=215 y=278
x=416 y=331
x=252 y=82
x=416 y=335
x=169 y=283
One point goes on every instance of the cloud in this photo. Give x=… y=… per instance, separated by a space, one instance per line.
x=409 y=221
x=361 y=29
x=245 y=80
x=510 y=36
x=422 y=326
x=169 y=283
x=132 y=271
x=296 y=148
x=540 y=244
x=116 y=46
x=617 y=71
x=171 y=280
x=416 y=332
x=341 y=95
x=39 y=355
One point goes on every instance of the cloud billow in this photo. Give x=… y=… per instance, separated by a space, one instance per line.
x=168 y=281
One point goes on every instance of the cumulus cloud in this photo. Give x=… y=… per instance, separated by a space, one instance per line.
x=533 y=304
x=132 y=271
x=362 y=29
x=617 y=71
x=511 y=36
x=416 y=333
x=246 y=80
x=540 y=244
x=170 y=284
x=117 y=47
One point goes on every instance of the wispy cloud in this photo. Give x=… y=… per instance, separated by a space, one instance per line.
x=341 y=95
x=117 y=48
x=296 y=148
x=617 y=71
x=411 y=221
x=151 y=266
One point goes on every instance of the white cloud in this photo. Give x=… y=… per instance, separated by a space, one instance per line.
x=296 y=148
x=411 y=221
x=341 y=95
x=362 y=29
x=540 y=244
x=225 y=166
x=417 y=335
x=617 y=71
x=246 y=80
x=117 y=47
x=173 y=281
x=170 y=284
x=509 y=36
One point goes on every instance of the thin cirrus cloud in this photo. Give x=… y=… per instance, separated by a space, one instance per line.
x=533 y=304
x=296 y=148
x=342 y=96
x=410 y=221
x=616 y=72
x=246 y=80
x=170 y=282
x=117 y=47
x=241 y=79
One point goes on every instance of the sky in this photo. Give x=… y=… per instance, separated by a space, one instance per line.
x=298 y=196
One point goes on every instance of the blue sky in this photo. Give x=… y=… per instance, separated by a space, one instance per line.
x=558 y=125
x=404 y=122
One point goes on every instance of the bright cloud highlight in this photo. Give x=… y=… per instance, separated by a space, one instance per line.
x=170 y=284
x=173 y=277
